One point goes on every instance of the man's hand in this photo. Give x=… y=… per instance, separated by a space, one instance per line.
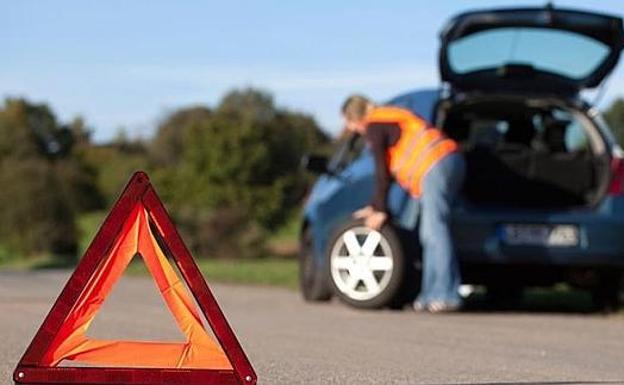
x=372 y=218
x=364 y=212
x=376 y=220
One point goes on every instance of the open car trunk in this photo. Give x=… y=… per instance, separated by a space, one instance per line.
x=538 y=50
x=526 y=153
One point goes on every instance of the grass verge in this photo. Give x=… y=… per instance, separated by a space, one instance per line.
x=272 y=272
x=269 y=271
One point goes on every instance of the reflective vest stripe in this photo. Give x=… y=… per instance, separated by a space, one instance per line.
x=418 y=149
x=402 y=147
x=422 y=156
x=430 y=136
x=437 y=153
x=411 y=145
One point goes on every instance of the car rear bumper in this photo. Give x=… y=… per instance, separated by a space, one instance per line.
x=537 y=257
x=601 y=231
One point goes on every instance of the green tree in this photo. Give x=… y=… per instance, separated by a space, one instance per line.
x=247 y=155
x=239 y=169
x=35 y=217
x=43 y=180
x=114 y=163
x=28 y=130
x=167 y=146
x=78 y=175
x=614 y=115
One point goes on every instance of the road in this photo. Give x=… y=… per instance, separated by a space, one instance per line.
x=291 y=342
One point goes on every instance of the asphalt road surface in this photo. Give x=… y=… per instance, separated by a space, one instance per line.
x=291 y=342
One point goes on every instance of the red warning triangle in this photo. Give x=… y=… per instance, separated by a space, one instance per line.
x=138 y=224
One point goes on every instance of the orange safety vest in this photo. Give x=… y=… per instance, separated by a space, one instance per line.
x=418 y=149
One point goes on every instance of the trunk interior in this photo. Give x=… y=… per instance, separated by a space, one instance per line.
x=526 y=153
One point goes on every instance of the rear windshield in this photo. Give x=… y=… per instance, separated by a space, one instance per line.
x=560 y=52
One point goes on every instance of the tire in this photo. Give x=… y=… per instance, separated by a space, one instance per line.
x=312 y=277
x=504 y=297
x=350 y=271
x=606 y=293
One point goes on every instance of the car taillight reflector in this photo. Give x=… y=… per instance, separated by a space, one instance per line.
x=617 y=178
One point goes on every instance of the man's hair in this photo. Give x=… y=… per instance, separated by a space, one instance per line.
x=355 y=106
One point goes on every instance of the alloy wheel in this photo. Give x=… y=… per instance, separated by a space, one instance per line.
x=361 y=263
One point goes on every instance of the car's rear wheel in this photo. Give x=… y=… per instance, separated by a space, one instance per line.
x=504 y=296
x=366 y=267
x=312 y=277
x=606 y=293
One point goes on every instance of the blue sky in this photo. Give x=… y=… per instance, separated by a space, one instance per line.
x=128 y=63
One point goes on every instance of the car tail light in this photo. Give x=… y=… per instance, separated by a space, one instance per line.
x=617 y=178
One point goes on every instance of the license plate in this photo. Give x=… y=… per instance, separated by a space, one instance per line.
x=540 y=235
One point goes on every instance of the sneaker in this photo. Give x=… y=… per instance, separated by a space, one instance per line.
x=419 y=307
x=437 y=307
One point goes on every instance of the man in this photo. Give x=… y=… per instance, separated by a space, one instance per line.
x=431 y=169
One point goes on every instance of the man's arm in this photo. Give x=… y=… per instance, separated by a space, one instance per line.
x=380 y=137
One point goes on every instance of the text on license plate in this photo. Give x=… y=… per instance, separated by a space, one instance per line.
x=540 y=235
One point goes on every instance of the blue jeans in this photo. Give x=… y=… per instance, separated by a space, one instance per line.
x=440 y=276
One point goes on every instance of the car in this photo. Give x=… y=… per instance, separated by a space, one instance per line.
x=543 y=201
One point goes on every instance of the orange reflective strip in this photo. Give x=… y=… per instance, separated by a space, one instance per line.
x=433 y=156
x=403 y=173
x=409 y=123
x=402 y=155
x=422 y=156
x=416 y=151
x=71 y=343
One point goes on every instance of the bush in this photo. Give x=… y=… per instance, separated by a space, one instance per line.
x=79 y=185
x=168 y=145
x=614 y=115
x=237 y=174
x=222 y=233
x=115 y=163
x=35 y=216
x=44 y=180
x=230 y=175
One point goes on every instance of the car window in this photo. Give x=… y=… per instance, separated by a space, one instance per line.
x=576 y=138
x=560 y=131
x=555 y=131
x=560 y=52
